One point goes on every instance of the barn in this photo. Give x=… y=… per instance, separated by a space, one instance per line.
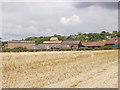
x=26 y=44
x=96 y=44
x=72 y=44
x=112 y=42
x=53 y=40
x=47 y=46
x=55 y=44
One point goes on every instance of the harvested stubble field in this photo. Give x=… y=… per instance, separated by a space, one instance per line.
x=60 y=69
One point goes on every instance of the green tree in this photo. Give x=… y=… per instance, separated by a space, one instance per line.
x=118 y=34
x=79 y=33
x=114 y=34
x=82 y=37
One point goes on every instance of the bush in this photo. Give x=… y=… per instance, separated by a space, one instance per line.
x=106 y=48
x=16 y=49
x=82 y=49
x=21 y=49
x=6 y=50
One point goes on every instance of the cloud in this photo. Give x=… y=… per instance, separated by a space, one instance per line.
x=107 y=5
x=74 y=19
x=15 y=31
x=25 y=19
x=19 y=29
x=11 y=30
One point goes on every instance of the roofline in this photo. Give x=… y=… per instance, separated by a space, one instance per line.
x=21 y=41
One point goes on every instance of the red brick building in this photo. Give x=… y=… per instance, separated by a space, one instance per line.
x=27 y=44
x=94 y=44
x=112 y=42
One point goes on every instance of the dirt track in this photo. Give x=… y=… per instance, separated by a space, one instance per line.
x=82 y=69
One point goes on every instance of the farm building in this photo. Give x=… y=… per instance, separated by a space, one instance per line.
x=116 y=39
x=97 y=44
x=54 y=44
x=27 y=44
x=72 y=44
x=114 y=42
x=47 y=46
x=93 y=44
x=51 y=46
x=53 y=40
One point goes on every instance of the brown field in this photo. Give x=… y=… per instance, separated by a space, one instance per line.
x=60 y=69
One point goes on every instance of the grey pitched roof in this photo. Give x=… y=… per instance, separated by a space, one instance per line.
x=70 y=42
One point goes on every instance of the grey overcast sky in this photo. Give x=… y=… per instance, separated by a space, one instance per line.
x=25 y=19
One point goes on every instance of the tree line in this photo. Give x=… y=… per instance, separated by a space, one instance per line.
x=83 y=37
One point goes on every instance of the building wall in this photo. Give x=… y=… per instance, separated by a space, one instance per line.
x=66 y=46
x=13 y=45
x=75 y=46
x=50 y=46
x=40 y=46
